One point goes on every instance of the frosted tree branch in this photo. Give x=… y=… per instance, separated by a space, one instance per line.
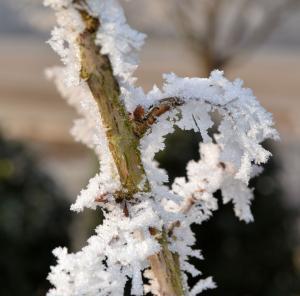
x=146 y=231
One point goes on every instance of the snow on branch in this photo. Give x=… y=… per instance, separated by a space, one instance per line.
x=146 y=230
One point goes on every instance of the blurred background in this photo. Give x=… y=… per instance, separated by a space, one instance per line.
x=42 y=169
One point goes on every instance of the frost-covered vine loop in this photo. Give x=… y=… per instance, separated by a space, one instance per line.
x=146 y=230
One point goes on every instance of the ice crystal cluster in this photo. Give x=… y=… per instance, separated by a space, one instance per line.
x=120 y=248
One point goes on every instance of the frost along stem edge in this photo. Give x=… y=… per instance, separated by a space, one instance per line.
x=123 y=143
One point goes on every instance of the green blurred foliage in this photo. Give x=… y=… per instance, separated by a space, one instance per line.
x=34 y=219
x=256 y=259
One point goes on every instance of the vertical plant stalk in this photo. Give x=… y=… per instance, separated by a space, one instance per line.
x=97 y=71
x=166 y=268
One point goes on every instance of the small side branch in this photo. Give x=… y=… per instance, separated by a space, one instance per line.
x=190 y=202
x=142 y=122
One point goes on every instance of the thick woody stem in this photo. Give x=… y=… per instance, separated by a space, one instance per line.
x=96 y=69
x=123 y=143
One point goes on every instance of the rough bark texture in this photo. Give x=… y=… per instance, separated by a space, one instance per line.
x=142 y=122
x=123 y=144
x=166 y=268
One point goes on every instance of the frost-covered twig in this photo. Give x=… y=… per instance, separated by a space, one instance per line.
x=142 y=120
x=146 y=230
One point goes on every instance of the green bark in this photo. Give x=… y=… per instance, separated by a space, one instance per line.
x=123 y=143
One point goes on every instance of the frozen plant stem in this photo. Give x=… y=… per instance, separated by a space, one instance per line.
x=123 y=142
x=166 y=268
x=96 y=69
x=146 y=231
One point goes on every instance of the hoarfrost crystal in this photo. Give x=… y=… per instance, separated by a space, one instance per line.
x=123 y=244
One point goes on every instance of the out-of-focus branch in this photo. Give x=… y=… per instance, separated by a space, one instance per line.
x=270 y=23
x=203 y=39
x=249 y=41
x=185 y=25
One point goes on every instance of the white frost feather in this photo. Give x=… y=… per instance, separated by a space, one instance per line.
x=229 y=158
